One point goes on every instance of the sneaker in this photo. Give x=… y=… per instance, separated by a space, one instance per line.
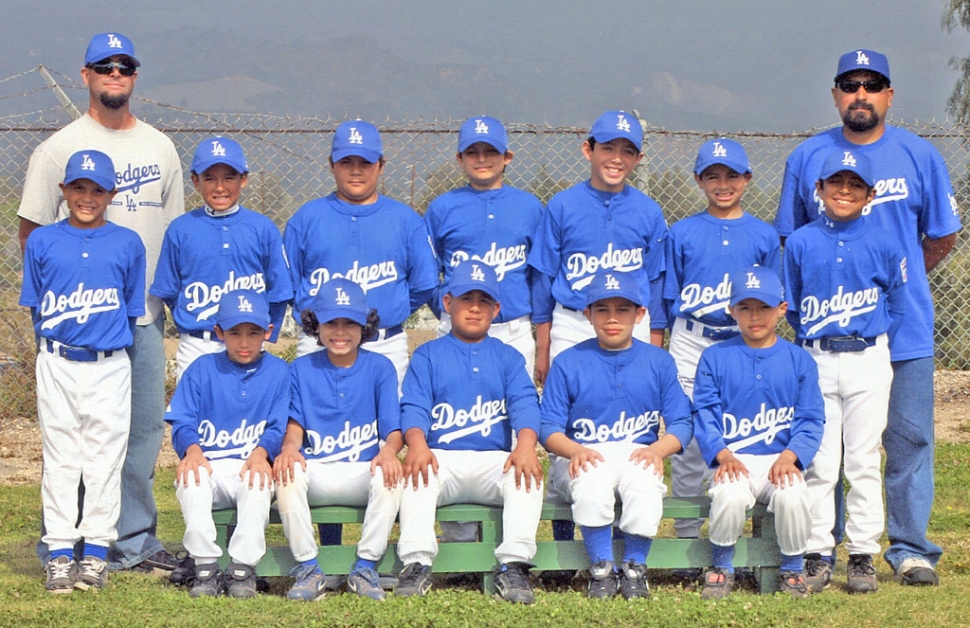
x=161 y=563
x=633 y=581
x=93 y=574
x=818 y=573
x=512 y=583
x=207 y=581
x=861 y=574
x=792 y=582
x=61 y=574
x=310 y=585
x=917 y=571
x=603 y=580
x=717 y=584
x=415 y=579
x=184 y=572
x=240 y=581
x=366 y=583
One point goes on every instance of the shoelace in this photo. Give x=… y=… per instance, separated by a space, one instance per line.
x=370 y=576
x=59 y=569
x=517 y=579
x=92 y=568
x=863 y=567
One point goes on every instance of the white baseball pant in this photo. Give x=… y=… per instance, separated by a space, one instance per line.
x=191 y=348
x=855 y=387
x=337 y=484
x=470 y=477
x=594 y=492
x=791 y=505
x=225 y=489
x=84 y=411
x=570 y=327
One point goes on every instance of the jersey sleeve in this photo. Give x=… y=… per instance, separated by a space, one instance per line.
x=279 y=287
x=792 y=281
x=676 y=409
x=422 y=262
x=809 y=421
x=520 y=396
x=135 y=278
x=296 y=395
x=272 y=437
x=655 y=266
x=432 y=223
x=896 y=293
x=30 y=288
x=791 y=209
x=940 y=215
x=165 y=284
x=417 y=395
x=707 y=406
x=183 y=411
x=293 y=248
x=556 y=402
x=388 y=402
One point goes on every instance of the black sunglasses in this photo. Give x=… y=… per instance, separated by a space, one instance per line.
x=873 y=86
x=107 y=67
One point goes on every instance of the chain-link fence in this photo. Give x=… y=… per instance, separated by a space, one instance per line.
x=288 y=158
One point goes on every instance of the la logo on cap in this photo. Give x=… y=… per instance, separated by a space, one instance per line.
x=481 y=127
x=861 y=58
x=477 y=274
x=848 y=160
x=611 y=283
x=88 y=163
x=244 y=305
x=355 y=136
x=342 y=297
x=719 y=151
x=218 y=150
x=753 y=282
x=113 y=42
x=622 y=123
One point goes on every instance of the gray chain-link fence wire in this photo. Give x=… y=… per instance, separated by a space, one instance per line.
x=288 y=158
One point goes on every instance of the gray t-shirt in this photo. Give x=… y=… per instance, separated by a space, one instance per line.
x=148 y=173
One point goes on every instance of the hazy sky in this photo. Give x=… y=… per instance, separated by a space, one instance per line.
x=758 y=65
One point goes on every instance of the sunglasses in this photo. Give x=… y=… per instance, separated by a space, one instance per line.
x=107 y=67
x=873 y=86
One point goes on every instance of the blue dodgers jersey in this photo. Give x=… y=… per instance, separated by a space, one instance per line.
x=598 y=396
x=914 y=198
x=384 y=247
x=468 y=396
x=702 y=252
x=496 y=227
x=344 y=412
x=585 y=231
x=83 y=285
x=230 y=409
x=204 y=257
x=758 y=401
x=844 y=279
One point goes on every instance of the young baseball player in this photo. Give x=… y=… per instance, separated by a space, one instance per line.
x=358 y=234
x=84 y=282
x=218 y=248
x=227 y=416
x=490 y=222
x=758 y=424
x=846 y=279
x=600 y=225
x=344 y=404
x=601 y=411
x=702 y=251
x=467 y=396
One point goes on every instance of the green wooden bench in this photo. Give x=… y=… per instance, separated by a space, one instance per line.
x=758 y=551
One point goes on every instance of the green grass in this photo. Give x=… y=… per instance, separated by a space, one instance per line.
x=135 y=600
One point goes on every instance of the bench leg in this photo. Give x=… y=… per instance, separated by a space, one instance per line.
x=490 y=534
x=330 y=533
x=767 y=578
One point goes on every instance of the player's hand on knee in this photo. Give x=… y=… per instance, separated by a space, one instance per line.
x=189 y=466
x=729 y=468
x=391 y=468
x=784 y=471
x=284 y=466
x=258 y=466
x=527 y=467
x=419 y=464
x=645 y=457
x=581 y=459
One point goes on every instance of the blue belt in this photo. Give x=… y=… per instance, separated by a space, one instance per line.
x=840 y=344
x=714 y=333
x=205 y=335
x=76 y=354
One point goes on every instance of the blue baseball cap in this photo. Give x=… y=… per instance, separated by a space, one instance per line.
x=93 y=165
x=358 y=139
x=863 y=60
x=757 y=282
x=849 y=160
x=483 y=129
x=617 y=124
x=219 y=150
x=106 y=45
x=340 y=298
x=243 y=306
x=473 y=275
x=722 y=151
x=613 y=284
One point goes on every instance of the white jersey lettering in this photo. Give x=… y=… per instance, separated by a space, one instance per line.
x=841 y=307
x=367 y=277
x=584 y=267
x=501 y=259
x=712 y=298
x=351 y=441
x=625 y=428
x=762 y=428
x=203 y=296
x=80 y=305
x=245 y=438
x=482 y=416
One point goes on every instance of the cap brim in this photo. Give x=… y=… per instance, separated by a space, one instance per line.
x=331 y=314
x=371 y=156
x=232 y=321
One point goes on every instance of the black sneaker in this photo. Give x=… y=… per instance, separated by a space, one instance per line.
x=861 y=574
x=818 y=573
x=916 y=571
x=207 y=581
x=240 y=581
x=793 y=582
x=512 y=583
x=415 y=579
x=633 y=581
x=184 y=573
x=717 y=584
x=603 y=580
x=92 y=574
x=161 y=563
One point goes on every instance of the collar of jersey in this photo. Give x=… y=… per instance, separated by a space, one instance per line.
x=223 y=214
x=324 y=363
x=850 y=229
x=496 y=193
x=96 y=232
x=354 y=210
x=602 y=196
